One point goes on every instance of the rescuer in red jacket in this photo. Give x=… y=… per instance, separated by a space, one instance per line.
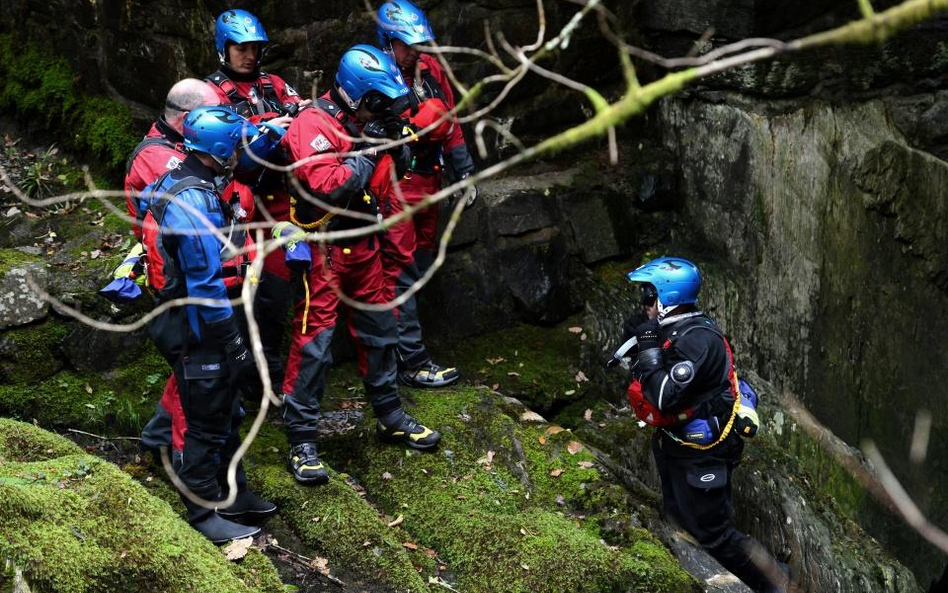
x=401 y=27
x=318 y=140
x=241 y=43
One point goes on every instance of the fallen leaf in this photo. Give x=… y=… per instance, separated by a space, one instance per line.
x=525 y=567
x=570 y=392
x=237 y=549
x=409 y=546
x=495 y=387
x=496 y=361
x=513 y=374
x=581 y=377
x=321 y=565
x=553 y=430
x=556 y=473
x=542 y=440
x=560 y=500
x=588 y=415
x=575 y=330
x=574 y=447
x=95 y=254
x=387 y=476
x=88 y=388
x=431 y=554
x=523 y=531
x=398 y=521
x=531 y=416
x=490 y=456
x=582 y=337
x=584 y=464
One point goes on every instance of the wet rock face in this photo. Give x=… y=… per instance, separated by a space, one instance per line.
x=19 y=304
x=827 y=222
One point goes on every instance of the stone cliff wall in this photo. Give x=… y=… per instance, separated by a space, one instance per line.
x=833 y=225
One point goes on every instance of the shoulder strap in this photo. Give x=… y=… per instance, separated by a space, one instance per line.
x=338 y=114
x=158 y=207
x=223 y=82
x=431 y=85
x=145 y=143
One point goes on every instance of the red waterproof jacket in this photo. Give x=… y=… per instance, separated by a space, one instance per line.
x=158 y=152
x=267 y=94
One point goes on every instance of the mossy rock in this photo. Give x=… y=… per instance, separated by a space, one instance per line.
x=334 y=519
x=31 y=353
x=507 y=506
x=11 y=258
x=75 y=523
x=538 y=365
x=112 y=403
x=42 y=88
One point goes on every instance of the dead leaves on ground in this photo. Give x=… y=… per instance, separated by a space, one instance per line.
x=238 y=548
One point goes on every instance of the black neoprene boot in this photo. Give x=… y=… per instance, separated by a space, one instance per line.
x=220 y=531
x=247 y=507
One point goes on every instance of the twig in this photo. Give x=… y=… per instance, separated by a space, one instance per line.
x=98 y=436
x=307 y=562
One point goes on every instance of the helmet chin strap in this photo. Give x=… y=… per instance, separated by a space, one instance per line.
x=663 y=309
x=353 y=105
x=663 y=313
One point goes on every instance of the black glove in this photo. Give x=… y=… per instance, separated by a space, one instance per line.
x=650 y=346
x=402 y=157
x=240 y=362
x=375 y=129
x=394 y=125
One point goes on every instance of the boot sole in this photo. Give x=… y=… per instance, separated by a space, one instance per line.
x=406 y=442
x=314 y=481
x=428 y=385
x=220 y=542
x=252 y=515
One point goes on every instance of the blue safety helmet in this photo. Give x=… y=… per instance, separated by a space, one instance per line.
x=402 y=20
x=364 y=69
x=237 y=26
x=215 y=131
x=676 y=280
x=262 y=141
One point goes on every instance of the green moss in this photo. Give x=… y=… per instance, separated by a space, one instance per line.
x=486 y=503
x=534 y=364
x=43 y=88
x=31 y=353
x=10 y=258
x=333 y=518
x=74 y=523
x=118 y=402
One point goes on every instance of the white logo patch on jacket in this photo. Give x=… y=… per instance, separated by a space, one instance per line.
x=321 y=144
x=172 y=163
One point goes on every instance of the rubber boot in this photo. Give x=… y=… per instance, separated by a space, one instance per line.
x=247 y=507
x=214 y=527
x=220 y=531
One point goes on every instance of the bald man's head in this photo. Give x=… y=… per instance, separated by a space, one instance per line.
x=184 y=96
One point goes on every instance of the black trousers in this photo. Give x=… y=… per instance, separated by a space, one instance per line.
x=211 y=404
x=696 y=492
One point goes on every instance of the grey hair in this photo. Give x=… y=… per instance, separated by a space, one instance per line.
x=186 y=95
